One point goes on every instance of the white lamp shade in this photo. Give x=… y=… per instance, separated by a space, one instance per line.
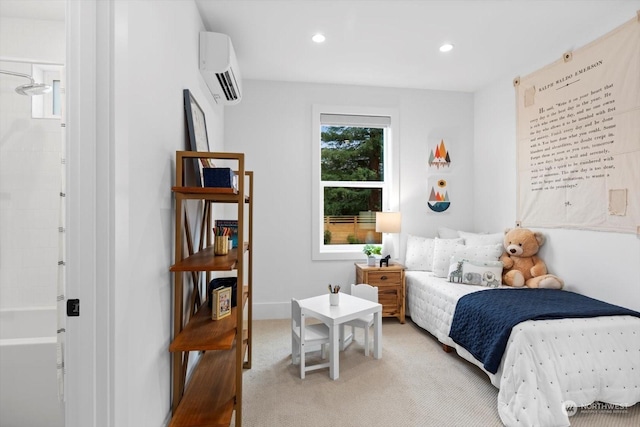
x=388 y=222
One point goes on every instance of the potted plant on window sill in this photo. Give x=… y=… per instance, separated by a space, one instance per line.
x=373 y=253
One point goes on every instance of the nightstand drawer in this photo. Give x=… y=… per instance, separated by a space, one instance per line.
x=382 y=278
x=390 y=282
x=391 y=300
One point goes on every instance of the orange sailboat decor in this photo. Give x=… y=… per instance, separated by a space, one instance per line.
x=439 y=198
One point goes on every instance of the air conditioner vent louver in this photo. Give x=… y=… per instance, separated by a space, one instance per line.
x=219 y=67
x=228 y=84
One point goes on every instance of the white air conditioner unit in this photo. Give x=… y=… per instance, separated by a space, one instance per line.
x=219 y=67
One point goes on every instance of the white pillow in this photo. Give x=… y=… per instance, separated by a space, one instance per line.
x=476 y=239
x=447 y=233
x=479 y=253
x=443 y=249
x=419 y=254
x=487 y=273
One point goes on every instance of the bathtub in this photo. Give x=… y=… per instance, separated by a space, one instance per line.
x=28 y=379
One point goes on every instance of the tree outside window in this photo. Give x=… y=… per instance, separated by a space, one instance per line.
x=352 y=176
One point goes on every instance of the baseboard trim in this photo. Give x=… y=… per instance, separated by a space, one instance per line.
x=272 y=310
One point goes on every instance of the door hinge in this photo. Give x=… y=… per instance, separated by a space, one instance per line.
x=73 y=307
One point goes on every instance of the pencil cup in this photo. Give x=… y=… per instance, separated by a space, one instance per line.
x=221 y=245
x=334 y=299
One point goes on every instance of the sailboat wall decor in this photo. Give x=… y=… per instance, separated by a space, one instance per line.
x=439 y=196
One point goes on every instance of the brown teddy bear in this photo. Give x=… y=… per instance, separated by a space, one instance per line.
x=522 y=267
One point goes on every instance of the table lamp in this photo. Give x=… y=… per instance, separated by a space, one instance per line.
x=386 y=223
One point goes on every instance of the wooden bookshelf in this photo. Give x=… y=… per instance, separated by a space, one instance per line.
x=213 y=390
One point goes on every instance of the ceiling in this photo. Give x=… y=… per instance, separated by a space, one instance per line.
x=395 y=43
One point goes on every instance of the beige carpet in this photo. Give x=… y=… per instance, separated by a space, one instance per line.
x=414 y=384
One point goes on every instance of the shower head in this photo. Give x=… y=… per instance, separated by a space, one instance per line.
x=29 y=89
x=32 y=89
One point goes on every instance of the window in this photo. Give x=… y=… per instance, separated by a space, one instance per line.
x=48 y=105
x=354 y=177
x=56 y=107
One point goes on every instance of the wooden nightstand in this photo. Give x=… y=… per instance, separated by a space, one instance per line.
x=390 y=284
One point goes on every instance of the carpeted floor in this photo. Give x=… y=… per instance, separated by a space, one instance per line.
x=414 y=384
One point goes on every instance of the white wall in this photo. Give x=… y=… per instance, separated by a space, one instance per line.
x=272 y=125
x=157 y=60
x=33 y=39
x=29 y=170
x=598 y=264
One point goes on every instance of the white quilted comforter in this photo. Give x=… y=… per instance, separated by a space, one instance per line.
x=547 y=364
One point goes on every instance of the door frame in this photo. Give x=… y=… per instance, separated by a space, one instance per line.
x=89 y=348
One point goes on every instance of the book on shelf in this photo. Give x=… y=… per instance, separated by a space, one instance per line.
x=227 y=227
x=221 y=298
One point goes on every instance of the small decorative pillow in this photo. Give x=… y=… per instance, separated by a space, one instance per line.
x=443 y=249
x=447 y=233
x=475 y=239
x=419 y=254
x=472 y=272
x=479 y=253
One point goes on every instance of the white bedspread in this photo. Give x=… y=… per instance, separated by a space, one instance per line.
x=547 y=363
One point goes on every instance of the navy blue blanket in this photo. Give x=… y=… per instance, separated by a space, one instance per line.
x=483 y=320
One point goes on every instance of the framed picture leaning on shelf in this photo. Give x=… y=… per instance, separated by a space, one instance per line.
x=221 y=307
x=197 y=130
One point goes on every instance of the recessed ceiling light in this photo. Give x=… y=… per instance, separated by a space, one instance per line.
x=446 y=47
x=318 y=38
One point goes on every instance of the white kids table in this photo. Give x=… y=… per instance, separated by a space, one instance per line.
x=334 y=317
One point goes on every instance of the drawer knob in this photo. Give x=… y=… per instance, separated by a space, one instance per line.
x=383 y=277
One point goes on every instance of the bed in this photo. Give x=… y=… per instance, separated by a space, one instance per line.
x=547 y=364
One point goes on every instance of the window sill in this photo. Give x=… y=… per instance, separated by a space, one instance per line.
x=338 y=255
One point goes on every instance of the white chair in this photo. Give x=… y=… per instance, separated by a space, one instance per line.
x=303 y=336
x=370 y=293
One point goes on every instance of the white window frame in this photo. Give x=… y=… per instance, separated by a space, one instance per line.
x=42 y=106
x=391 y=186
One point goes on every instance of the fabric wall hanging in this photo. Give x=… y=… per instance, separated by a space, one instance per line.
x=578 y=137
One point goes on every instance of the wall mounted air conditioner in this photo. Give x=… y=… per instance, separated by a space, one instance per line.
x=219 y=67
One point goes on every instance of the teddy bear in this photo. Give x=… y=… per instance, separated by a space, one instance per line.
x=522 y=267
